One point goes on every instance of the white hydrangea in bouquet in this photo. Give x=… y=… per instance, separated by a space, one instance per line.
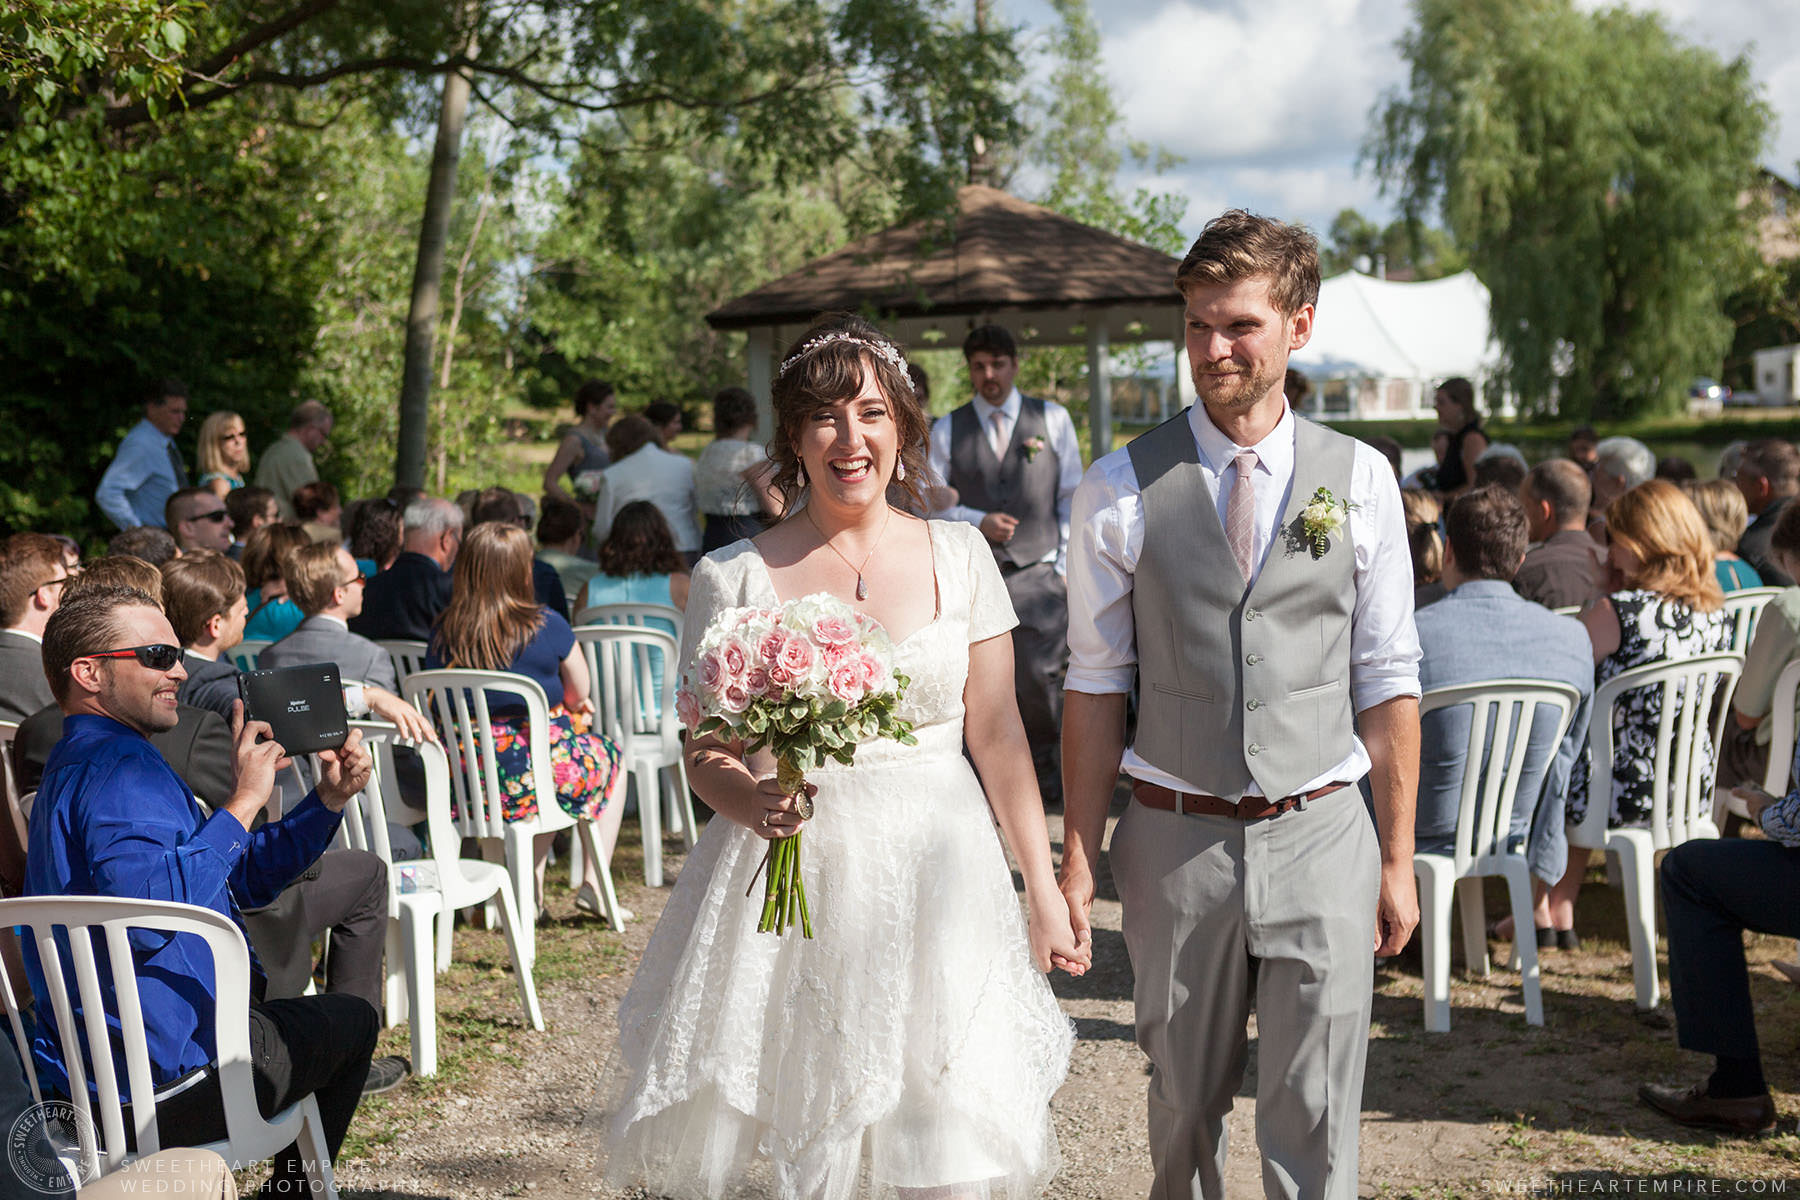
x=589 y=484
x=810 y=680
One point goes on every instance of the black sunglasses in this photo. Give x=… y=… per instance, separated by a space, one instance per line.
x=159 y=657
x=217 y=514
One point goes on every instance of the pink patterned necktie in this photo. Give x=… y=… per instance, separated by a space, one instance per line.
x=1240 y=514
x=997 y=438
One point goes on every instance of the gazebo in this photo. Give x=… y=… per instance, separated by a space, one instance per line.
x=1048 y=278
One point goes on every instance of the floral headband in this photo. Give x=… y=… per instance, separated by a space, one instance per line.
x=884 y=349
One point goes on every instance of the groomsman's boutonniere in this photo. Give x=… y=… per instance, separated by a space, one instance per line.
x=1324 y=518
x=1033 y=446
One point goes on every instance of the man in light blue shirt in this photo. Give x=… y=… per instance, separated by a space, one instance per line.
x=148 y=468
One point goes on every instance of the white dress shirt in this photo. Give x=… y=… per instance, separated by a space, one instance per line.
x=1060 y=430
x=1108 y=536
x=659 y=476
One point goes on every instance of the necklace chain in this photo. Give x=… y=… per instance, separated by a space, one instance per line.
x=862 y=588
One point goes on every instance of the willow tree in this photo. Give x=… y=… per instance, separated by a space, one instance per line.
x=1592 y=166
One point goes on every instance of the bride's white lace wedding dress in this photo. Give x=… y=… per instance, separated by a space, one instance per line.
x=910 y=1049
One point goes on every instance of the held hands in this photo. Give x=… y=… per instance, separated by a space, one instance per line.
x=1055 y=942
x=343 y=772
x=999 y=527
x=772 y=812
x=1077 y=886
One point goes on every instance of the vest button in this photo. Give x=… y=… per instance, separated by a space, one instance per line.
x=1253 y=659
x=1255 y=748
x=1254 y=705
x=1250 y=614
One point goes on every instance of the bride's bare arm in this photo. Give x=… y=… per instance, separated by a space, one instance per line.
x=996 y=741
x=719 y=775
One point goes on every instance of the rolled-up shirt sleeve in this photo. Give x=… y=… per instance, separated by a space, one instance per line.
x=1384 y=644
x=1101 y=566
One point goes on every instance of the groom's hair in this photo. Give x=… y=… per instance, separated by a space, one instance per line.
x=1238 y=245
x=1486 y=533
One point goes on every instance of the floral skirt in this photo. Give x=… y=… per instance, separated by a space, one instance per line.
x=584 y=764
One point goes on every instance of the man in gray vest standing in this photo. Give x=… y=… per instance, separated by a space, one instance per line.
x=1249 y=570
x=1014 y=462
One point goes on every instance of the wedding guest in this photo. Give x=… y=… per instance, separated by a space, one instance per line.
x=1768 y=475
x=319 y=510
x=326 y=584
x=375 y=531
x=582 y=450
x=640 y=565
x=1426 y=477
x=32 y=579
x=223 y=452
x=1671 y=607
x=198 y=520
x=1484 y=630
x=1422 y=513
x=559 y=534
x=404 y=601
x=642 y=470
x=1565 y=568
x=148 y=467
x=1584 y=447
x=1730 y=457
x=731 y=478
x=1298 y=389
x=495 y=623
x=112 y=818
x=1713 y=890
x=1744 y=758
x=250 y=508
x=1675 y=469
x=1502 y=466
x=272 y=614
x=1390 y=450
x=507 y=507
x=1722 y=507
x=1620 y=464
x=151 y=543
x=667 y=419
x=288 y=463
x=1458 y=416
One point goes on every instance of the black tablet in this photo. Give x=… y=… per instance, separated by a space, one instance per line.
x=303 y=705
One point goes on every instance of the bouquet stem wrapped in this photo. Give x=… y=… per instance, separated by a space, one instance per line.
x=809 y=680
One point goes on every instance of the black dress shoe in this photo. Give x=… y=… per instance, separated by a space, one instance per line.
x=1747 y=1115
x=385 y=1074
x=1567 y=939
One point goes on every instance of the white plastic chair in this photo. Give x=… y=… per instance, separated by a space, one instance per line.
x=458 y=701
x=1743 y=608
x=641 y=719
x=1492 y=769
x=251 y=1139
x=9 y=778
x=669 y=619
x=407 y=656
x=1679 y=794
x=421 y=890
x=243 y=655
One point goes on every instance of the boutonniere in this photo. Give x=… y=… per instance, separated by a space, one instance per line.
x=1324 y=518
x=1033 y=447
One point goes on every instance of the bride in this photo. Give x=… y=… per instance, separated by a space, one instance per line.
x=910 y=1050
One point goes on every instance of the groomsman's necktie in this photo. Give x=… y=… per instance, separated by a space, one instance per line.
x=179 y=467
x=998 y=437
x=1240 y=514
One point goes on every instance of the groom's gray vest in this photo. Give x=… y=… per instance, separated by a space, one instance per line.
x=1240 y=684
x=1019 y=484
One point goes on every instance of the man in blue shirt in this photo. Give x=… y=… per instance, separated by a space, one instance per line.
x=148 y=468
x=113 y=819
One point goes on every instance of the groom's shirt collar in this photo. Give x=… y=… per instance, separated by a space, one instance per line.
x=1274 y=454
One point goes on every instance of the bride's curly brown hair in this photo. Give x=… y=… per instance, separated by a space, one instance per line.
x=834 y=372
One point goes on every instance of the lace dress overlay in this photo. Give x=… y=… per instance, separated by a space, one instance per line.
x=910 y=1048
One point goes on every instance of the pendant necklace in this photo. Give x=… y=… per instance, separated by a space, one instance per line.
x=862 y=587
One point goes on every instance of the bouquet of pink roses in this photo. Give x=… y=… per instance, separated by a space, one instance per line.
x=809 y=680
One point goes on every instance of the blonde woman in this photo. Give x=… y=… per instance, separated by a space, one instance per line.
x=224 y=453
x=1726 y=515
x=494 y=623
x=1670 y=608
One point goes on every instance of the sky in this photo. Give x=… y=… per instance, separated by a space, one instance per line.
x=1268 y=101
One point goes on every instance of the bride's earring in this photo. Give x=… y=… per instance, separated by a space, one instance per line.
x=899 y=470
x=800 y=474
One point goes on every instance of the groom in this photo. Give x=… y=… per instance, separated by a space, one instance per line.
x=1274 y=649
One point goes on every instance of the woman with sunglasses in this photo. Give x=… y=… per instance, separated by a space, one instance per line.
x=224 y=453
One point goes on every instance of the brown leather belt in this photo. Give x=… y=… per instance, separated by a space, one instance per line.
x=1252 y=808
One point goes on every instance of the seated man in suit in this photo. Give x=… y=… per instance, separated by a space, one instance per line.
x=328 y=586
x=405 y=600
x=1564 y=567
x=1483 y=630
x=112 y=819
x=32 y=576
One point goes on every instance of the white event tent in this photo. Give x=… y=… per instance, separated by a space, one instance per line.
x=1379 y=347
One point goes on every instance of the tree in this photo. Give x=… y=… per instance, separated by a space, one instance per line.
x=1402 y=250
x=1591 y=164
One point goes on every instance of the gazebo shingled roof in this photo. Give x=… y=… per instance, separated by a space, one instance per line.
x=1006 y=254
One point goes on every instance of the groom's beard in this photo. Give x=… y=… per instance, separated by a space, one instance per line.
x=1232 y=393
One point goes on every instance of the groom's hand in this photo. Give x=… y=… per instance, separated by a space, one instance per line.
x=1397 y=912
x=1077 y=884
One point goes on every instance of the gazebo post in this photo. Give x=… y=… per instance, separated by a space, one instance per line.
x=1099 y=386
x=761 y=356
x=1184 y=370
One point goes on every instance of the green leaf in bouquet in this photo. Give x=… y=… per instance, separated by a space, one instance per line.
x=835 y=710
